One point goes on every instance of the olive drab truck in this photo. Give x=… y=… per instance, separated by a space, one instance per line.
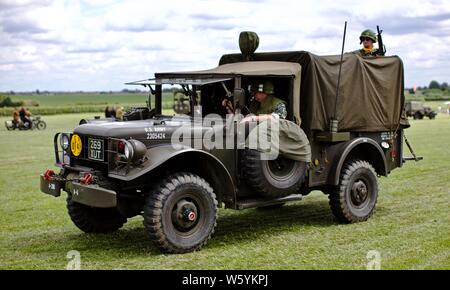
x=113 y=170
x=417 y=110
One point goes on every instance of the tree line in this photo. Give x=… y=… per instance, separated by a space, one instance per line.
x=433 y=85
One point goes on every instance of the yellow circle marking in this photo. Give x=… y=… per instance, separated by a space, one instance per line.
x=75 y=145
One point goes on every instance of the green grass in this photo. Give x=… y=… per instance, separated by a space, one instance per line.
x=410 y=228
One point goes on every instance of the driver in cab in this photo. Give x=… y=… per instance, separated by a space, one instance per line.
x=265 y=105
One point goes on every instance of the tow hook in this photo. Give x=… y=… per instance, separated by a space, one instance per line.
x=86 y=179
x=49 y=174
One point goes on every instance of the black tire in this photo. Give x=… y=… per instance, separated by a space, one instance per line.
x=355 y=198
x=180 y=214
x=41 y=125
x=432 y=116
x=273 y=178
x=417 y=116
x=92 y=219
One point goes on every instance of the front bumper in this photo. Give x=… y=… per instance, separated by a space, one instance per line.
x=51 y=186
x=88 y=194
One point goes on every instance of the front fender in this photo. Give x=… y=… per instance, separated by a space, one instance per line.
x=216 y=173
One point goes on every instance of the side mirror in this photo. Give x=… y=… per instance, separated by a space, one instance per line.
x=239 y=98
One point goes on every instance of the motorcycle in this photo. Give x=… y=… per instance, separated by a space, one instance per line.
x=36 y=123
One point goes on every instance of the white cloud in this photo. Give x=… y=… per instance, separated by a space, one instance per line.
x=65 y=45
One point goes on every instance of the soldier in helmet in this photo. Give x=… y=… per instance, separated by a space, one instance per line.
x=367 y=39
x=265 y=105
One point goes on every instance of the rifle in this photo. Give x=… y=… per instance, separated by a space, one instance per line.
x=381 y=48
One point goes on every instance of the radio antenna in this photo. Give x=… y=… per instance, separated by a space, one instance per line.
x=334 y=121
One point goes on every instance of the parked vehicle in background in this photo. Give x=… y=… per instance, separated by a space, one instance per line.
x=417 y=110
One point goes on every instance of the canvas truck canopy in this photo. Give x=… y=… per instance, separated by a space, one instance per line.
x=202 y=77
x=181 y=81
x=371 y=96
x=250 y=68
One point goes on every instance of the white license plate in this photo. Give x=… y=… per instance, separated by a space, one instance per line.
x=95 y=149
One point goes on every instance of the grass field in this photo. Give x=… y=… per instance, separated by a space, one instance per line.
x=58 y=99
x=61 y=103
x=410 y=228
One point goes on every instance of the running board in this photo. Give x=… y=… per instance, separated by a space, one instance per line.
x=260 y=202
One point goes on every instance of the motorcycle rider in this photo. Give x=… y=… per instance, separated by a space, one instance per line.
x=16 y=119
x=25 y=117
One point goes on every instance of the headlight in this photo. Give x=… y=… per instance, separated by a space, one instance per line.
x=64 y=141
x=128 y=150
x=134 y=150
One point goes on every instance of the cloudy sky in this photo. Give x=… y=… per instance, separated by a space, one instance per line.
x=99 y=45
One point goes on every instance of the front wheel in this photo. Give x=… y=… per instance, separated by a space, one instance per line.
x=180 y=213
x=355 y=198
x=41 y=125
x=92 y=219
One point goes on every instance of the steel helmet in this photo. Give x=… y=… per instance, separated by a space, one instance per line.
x=368 y=33
x=266 y=87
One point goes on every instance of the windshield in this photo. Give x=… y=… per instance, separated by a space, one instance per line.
x=179 y=99
x=199 y=96
x=185 y=95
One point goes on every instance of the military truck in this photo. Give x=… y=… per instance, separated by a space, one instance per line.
x=417 y=110
x=112 y=171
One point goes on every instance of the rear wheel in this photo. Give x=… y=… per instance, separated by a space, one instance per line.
x=180 y=213
x=273 y=178
x=355 y=198
x=417 y=116
x=92 y=219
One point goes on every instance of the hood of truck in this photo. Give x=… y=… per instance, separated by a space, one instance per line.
x=147 y=131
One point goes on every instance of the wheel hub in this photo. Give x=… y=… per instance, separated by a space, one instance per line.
x=280 y=167
x=359 y=192
x=189 y=215
x=184 y=215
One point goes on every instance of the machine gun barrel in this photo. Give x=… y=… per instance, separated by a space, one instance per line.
x=381 y=48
